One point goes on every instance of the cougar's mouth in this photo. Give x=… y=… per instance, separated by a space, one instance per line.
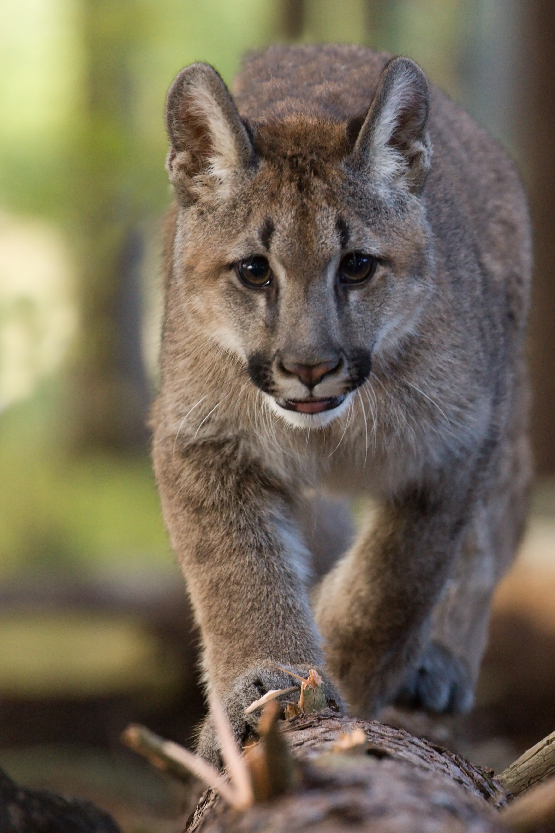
x=311 y=406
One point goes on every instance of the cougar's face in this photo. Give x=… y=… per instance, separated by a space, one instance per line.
x=307 y=282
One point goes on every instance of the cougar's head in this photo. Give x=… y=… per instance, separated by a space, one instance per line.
x=302 y=245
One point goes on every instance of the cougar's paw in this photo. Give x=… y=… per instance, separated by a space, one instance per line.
x=439 y=683
x=245 y=690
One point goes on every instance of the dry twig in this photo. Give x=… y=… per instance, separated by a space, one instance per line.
x=177 y=761
x=535 y=765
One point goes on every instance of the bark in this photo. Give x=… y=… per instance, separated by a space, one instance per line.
x=324 y=772
x=393 y=782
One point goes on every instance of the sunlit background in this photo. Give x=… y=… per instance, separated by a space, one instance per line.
x=94 y=622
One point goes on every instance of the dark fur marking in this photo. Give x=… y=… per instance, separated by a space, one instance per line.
x=361 y=365
x=343 y=230
x=420 y=501
x=266 y=233
x=260 y=371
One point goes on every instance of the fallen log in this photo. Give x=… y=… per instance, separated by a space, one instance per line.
x=342 y=773
x=325 y=772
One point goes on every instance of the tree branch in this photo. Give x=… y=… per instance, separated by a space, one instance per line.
x=535 y=765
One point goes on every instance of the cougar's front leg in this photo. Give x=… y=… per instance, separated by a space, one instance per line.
x=374 y=608
x=231 y=525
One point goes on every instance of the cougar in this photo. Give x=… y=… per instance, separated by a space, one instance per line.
x=347 y=277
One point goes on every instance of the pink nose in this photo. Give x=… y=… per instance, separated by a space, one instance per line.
x=310 y=374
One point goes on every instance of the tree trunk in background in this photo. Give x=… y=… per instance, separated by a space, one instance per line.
x=361 y=21
x=110 y=395
x=507 y=73
x=539 y=142
x=292 y=19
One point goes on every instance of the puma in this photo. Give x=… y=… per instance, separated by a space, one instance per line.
x=347 y=278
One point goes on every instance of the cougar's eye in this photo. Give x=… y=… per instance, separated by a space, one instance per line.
x=254 y=271
x=357 y=267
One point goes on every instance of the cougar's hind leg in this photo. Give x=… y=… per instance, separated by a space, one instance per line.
x=445 y=676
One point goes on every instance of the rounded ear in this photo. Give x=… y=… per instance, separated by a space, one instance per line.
x=208 y=140
x=393 y=141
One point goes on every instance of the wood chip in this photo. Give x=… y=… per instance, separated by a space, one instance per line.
x=352 y=742
x=273 y=694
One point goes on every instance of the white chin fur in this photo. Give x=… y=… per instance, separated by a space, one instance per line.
x=298 y=420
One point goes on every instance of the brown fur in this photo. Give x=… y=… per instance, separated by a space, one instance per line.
x=339 y=151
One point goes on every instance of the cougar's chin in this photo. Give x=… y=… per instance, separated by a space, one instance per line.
x=309 y=413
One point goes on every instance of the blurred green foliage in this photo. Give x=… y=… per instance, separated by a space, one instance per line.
x=65 y=515
x=47 y=48
x=77 y=653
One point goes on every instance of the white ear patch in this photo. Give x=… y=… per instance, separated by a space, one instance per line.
x=399 y=100
x=208 y=141
x=388 y=160
x=393 y=142
x=224 y=158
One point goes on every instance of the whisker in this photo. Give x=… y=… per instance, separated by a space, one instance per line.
x=373 y=405
x=433 y=289
x=268 y=418
x=361 y=400
x=180 y=426
x=375 y=376
x=217 y=405
x=347 y=424
x=429 y=398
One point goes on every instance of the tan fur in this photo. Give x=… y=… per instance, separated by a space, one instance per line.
x=339 y=151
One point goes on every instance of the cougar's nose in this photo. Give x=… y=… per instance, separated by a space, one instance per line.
x=310 y=374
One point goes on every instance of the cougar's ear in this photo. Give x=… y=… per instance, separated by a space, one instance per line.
x=208 y=140
x=393 y=141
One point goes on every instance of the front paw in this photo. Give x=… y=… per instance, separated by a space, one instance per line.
x=439 y=683
x=245 y=690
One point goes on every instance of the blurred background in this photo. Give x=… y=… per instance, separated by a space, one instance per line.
x=94 y=625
